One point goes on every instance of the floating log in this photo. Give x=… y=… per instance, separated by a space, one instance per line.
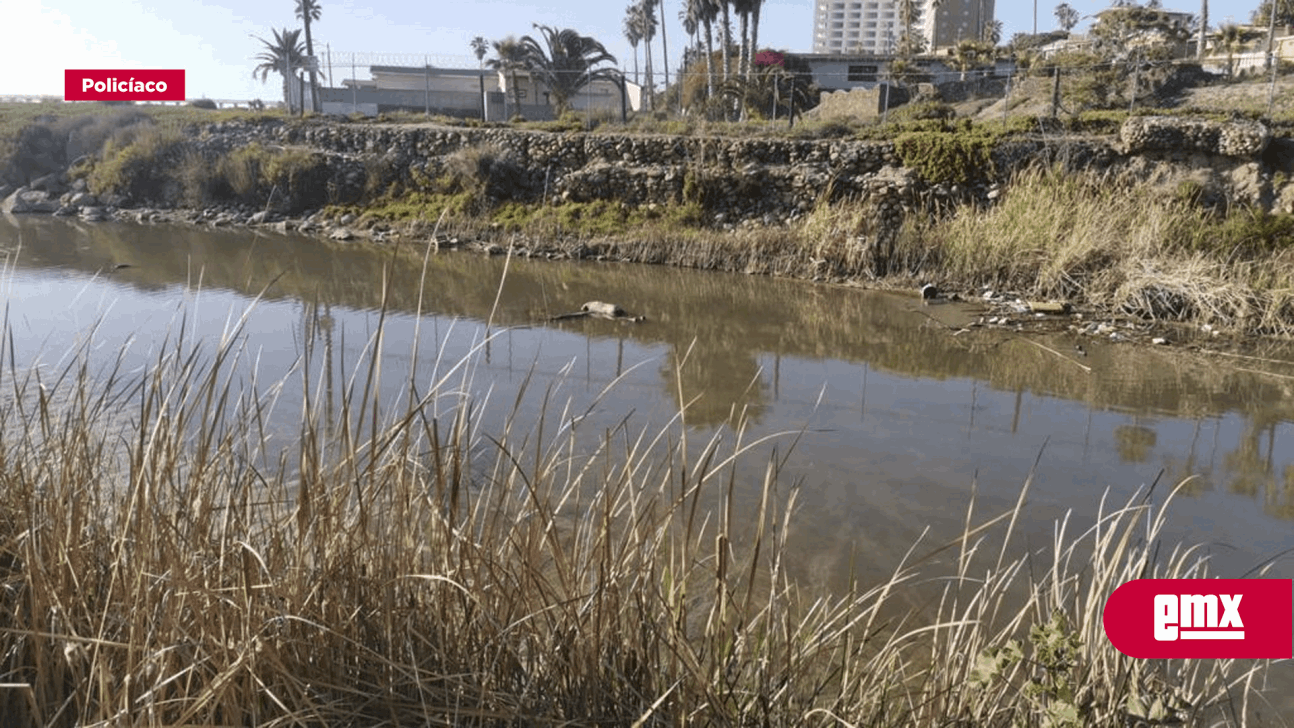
x=1049 y=307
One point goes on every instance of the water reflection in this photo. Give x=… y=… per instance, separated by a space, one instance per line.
x=902 y=415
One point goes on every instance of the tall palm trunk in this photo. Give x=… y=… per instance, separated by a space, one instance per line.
x=314 y=80
x=754 y=28
x=709 y=59
x=724 y=38
x=516 y=95
x=743 y=60
x=648 y=75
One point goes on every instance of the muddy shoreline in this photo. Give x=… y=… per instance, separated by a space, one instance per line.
x=958 y=312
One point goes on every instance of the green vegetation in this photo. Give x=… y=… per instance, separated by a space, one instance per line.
x=160 y=165
x=39 y=139
x=165 y=558
x=141 y=161
x=948 y=157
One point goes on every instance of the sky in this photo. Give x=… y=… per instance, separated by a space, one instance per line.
x=215 y=42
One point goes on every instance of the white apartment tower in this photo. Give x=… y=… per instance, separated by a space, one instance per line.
x=872 y=26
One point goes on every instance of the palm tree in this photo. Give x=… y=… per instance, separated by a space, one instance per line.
x=992 y=32
x=480 y=46
x=510 y=56
x=664 y=40
x=755 y=5
x=1231 y=37
x=1066 y=16
x=630 y=29
x=691 y=26
x=285 y=56
x=705 y=12
x=742 y=8
x=644 y=14
x=726 y=33
x=910 y=43
x=308 y=12
x=568 y=63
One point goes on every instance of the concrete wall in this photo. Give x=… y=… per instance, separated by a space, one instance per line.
x=500 y=105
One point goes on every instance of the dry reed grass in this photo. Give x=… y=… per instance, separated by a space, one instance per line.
x=1117 y=244
x=398 y=565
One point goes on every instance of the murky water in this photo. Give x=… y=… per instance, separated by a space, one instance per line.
x=901 y=417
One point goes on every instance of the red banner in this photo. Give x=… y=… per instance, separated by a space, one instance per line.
x=1202 y=618
x=103 y=84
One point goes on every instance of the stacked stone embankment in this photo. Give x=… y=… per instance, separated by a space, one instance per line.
x=1239 y=138
x=740 y=180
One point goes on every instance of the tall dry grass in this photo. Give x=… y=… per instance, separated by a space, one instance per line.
x=165 y=562
x=1117 y=243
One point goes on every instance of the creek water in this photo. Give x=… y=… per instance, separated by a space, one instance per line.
x=899 y=419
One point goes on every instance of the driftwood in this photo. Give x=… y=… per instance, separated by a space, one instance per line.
x=1049 y=307
x=598 y=309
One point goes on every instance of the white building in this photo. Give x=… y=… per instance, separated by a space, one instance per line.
x=873 y=26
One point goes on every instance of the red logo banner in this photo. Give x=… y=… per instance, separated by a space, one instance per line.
x=1202 y=618
x=102 y=84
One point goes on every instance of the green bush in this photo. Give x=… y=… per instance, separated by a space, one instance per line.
x=300 y=176
x=488 y=171
x=141 y=162
x=939 y=156
x=1243 y=234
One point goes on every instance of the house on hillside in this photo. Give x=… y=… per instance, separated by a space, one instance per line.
x=843 y=72
x=468 y=93
x=1250 y=55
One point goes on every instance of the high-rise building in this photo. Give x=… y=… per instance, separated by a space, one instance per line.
x=873 y=27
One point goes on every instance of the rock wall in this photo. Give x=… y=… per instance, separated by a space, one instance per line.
x=749 y=181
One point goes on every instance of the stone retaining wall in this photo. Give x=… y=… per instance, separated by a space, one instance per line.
x=763 y=181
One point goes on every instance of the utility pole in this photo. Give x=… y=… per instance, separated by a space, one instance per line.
x=1271 y=36
x=1055 y=91
x=1204 y=28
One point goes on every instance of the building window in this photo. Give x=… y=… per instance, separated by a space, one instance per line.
x=862 y=74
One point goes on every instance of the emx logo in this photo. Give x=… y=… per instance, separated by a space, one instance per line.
x=1202 y=618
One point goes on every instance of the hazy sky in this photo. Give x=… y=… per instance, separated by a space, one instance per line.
x=212 y=41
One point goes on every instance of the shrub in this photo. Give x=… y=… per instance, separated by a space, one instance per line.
x=489 y=172
x=948 y=157
x=203 y=104
x=300 y=176
x=141 y=162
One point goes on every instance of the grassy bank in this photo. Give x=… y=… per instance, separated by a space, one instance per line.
x=166 y=562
